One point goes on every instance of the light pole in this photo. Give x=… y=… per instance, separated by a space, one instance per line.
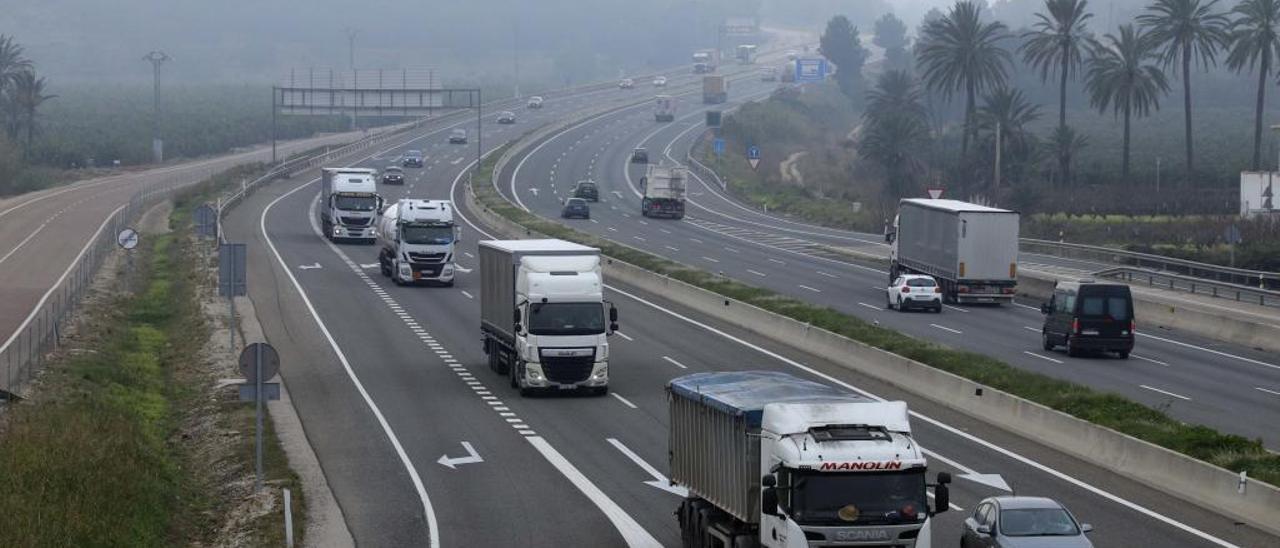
x=997 y=171
x=156 y=58
x=515 y=47
x=351 y=58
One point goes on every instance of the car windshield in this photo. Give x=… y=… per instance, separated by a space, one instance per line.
x=576 y=202
x=459 y=132
x=355 y=203
x=863 y=498
x=566 y=319
x=920 y=282
x=413 y=153
x=1037 y=522
x=426 y=235
x=586 y=186
x=1105 y=302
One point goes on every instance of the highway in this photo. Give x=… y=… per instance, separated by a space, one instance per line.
x=1195 y=379
x=391 y=383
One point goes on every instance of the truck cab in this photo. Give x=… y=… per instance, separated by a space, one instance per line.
x=418 y=238
x=664 y=108
x=349 y=204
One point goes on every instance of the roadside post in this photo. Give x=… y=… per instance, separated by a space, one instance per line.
x=258 y=362
x=127 y=239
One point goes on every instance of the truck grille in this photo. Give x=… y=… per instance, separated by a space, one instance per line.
x=567 y=370
x=356 y=221
x=430 y=271
x=426 y=257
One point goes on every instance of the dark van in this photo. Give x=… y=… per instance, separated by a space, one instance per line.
x=1088 y=315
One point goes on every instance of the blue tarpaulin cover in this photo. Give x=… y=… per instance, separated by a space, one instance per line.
x=745 y=393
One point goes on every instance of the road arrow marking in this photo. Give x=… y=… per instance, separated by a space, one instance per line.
x=660 y=481
x=990 y=480
x=534 y=190
x=471 y=458
x=309 y=266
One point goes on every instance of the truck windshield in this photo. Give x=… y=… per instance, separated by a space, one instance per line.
x=355 y=203
x=862 y=498
x=566 y=319
x=426 y=235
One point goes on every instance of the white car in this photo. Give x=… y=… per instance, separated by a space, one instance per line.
x=660 y=82
x=535 y=102
x=914 y=291
x=626 y=83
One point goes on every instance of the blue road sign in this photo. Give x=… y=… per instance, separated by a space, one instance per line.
x=719 y=146
x=753 y=152
x=811 y=70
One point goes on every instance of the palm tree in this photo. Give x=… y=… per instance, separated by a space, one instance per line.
x=961 y=53
x=1066 y=143
x=11 y=61
x=1059 y=42
x=894 y=142
x=1008 y=110
x=895 y=91
x=1120 y=78
x=26 y=96
x=1186 y=31
x=1255 y=41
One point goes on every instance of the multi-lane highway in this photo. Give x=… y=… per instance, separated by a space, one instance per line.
x=393 y=388
x=1229 y=387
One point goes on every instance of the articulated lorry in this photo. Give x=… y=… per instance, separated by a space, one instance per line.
x=543 y=317
x=715 y=89
x=972 y=250
x=664 y=191
x=705 y=61
x=417 y=238
x=664 y=108
x=349 y=204
x=772 y=460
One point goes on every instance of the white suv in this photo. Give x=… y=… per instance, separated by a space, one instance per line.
x=914 y=291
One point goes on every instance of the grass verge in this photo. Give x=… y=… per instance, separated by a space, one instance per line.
x=1229 y=451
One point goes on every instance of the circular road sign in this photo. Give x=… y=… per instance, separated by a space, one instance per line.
x=270 y=362
x=127 y=238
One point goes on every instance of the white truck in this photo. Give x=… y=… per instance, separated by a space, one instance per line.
x=746 y=54
x=772 y=460
x=663 y=189
x=417 y=239
x=664 y=108
x=349 y=204
x=705 y=61
x=971 y=250
x=543 y=317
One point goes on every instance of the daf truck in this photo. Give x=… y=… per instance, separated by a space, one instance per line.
x=543 y=317
x=772 y=460
x=970 y=249
x=417 y=239
x=663 y=191
x=715 y=89
x=349 y=204
x=664 y=108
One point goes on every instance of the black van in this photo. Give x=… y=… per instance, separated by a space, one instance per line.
x=1088 y=315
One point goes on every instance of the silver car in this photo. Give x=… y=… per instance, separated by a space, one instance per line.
x=1023 y=522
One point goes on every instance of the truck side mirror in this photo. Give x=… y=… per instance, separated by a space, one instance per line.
x=889 y=237
x=457 y=235
x=942 y=493
x=515 y=316
x=613 y=314
x=769 y=502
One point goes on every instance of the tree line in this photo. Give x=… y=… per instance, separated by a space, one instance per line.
x=22 y=92
x=963 y=54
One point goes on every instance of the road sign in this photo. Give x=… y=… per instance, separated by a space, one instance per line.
x=1232 y=235
x=231 y=270
x=127 y=238
x=250 y=356
x=753 y=156
x=719 y=146
x=935 y=193
x=713 y=118
x=249 y=391
x=206 y=219
x=811 y=70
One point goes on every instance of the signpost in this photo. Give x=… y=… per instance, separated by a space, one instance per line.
x=206 y=219
x=127 y=239
x=753 y=156
x=258 y=362
x=935 y=193
x=811 y=70
x=1232 y=236
x=232 y=279
x=719 y=147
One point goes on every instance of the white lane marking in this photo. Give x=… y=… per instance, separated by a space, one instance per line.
x=672 y=248
x=592 y=220
x=624 y=401
x=815 y=290
x=675 y=363
x=871 y=306
x=456 y=161
x=695 y=240
x=771 y=259
x=1273 y=392
x=731 y=250
x=639 y=238
x=624 y=335
x=956 y=308
x=829 y=275
x=469 y=256
x=948 y=428
x=1209 y=350
x=660 y=481
x=945 y=328
x=1167 y=393
x=433 y=527
x=710 y=259
x=613 y=229
x=467 y=295
x=632 y=532
x=761 y=274
x=1027 y=307
x=1046 y=358
x=1146 y=359
x=1029 y=328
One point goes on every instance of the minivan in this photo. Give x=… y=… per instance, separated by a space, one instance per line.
x=1088 y=315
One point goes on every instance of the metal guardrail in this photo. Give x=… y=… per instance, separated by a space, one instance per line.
x=1191 y=284
x=1241 y=277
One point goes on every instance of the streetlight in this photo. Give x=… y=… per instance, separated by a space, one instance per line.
x=156 y=58
x=351 y=57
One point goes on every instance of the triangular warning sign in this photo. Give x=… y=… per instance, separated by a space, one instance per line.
x=935 y=193
x=754 y=162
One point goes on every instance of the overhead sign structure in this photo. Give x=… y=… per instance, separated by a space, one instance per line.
x=811 y=70
x=935 y=193
x=127 y=238
x=719 y=147
x=753 y=156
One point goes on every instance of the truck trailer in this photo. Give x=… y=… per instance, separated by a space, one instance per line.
x=663 y=191
x=972 y=250
x=417 y=239
x=664 y=108
x=349 y=204
x=543 y=315
x=772 y=460
x=715 y=89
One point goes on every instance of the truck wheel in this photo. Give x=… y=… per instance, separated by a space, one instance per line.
x=900 y=307
x=515 y=378
x=1046 y=342
x=1124 y=354
x=1071 y=348
x=888 y=303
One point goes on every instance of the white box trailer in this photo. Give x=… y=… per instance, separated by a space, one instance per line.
x=972 y=250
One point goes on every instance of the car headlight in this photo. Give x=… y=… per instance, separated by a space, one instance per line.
x=601 y=374
x=337 y=231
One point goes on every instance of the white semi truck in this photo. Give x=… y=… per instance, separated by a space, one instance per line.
x=972 y=250
x=664 y=191
x=664 y=108
x=746 y=54
x=417 y=239
x=543 y=317
x=772 y=460
x=349 y=204
x=705 y=61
